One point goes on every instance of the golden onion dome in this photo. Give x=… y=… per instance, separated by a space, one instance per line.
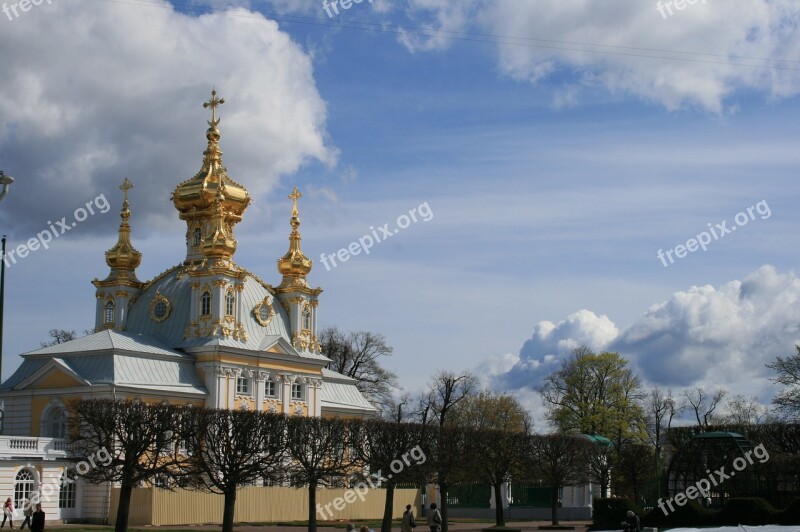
x=212 y=181
x=294 y=264
x=123 y=256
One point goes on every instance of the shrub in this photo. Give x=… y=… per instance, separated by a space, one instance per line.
x=748 y=511
x=607 y=514
x=689 y=515
x=791 y=514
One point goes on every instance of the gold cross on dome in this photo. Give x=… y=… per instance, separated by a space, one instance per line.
x=294 y=196
x=125 y=187
x=213 y=103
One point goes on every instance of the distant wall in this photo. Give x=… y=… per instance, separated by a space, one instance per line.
x=155 y=506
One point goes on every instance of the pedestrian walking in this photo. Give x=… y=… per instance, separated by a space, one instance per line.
x=27 y=511
x=434 y=518
x=37 y=522
x=408 y=524
x=8 y=513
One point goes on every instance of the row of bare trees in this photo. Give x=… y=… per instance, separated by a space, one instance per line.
x=223 y=450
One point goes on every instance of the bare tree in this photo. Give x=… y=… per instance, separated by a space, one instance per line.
x=787 y=403
x=743 y=411
x=231 y=448
x=558 y=460
x=445 y=392
x=133 y=442
x=702 y=404
x=382 y=445
x=59 y=336
x=493 y=455
x=358 y=355
x=319 y=449
x=633 y=463
x=600 y=464
x=661 y=410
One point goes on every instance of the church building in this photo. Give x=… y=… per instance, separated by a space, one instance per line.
x=206 y=332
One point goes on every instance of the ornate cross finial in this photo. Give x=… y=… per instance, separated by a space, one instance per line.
x=125 y=187
x=213 y=103
x=294 y=196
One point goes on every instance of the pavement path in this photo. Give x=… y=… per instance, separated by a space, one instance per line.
x=580 y=526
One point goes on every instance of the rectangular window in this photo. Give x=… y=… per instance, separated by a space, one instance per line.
x=297 y=391
x=269 y=388
x=243 y=386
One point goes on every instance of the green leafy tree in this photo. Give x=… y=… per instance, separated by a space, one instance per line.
x=595 y=394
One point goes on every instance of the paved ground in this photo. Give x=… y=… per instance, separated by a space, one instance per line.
x=580 y=526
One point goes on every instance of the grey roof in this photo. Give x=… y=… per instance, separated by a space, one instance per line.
x=330 y=375
x=111 y=357
x=340 y=395
x=110 y=341
x=175 y=285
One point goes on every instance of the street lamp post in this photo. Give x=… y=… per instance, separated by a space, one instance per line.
x=5 y=182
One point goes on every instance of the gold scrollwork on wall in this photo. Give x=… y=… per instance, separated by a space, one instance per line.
x=264 y=312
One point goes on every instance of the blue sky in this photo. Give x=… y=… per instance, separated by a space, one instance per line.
x=554 y=171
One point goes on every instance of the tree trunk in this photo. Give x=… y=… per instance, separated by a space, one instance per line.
x=312 y=507
x=228 y=510
x=443 y=510
x=554 y=505
x=124 y=507
x=604 y=488
x=386 y=524
x=499 y=515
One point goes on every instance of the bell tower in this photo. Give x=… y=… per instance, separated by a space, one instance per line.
x=299 y=300
x=211 y=203
x=116 y=292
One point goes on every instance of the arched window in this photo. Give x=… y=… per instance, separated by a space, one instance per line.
x=23 y=487
x=109 y=312
x=55 y=423
x=306 y=318
x=68 y=494
x=198 y=236
x=229 y=303
x=205 y=304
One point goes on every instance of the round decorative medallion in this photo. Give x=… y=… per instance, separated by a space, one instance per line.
x=263 y=312
x=160 y=307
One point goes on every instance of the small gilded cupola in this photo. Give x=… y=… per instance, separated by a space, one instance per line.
x=299 y=300
x=211 y=203
x=115 y=292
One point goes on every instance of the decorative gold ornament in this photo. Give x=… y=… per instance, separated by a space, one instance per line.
x=211 y=200
x=123 y=258
x=160 y=308
x=264 y=312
